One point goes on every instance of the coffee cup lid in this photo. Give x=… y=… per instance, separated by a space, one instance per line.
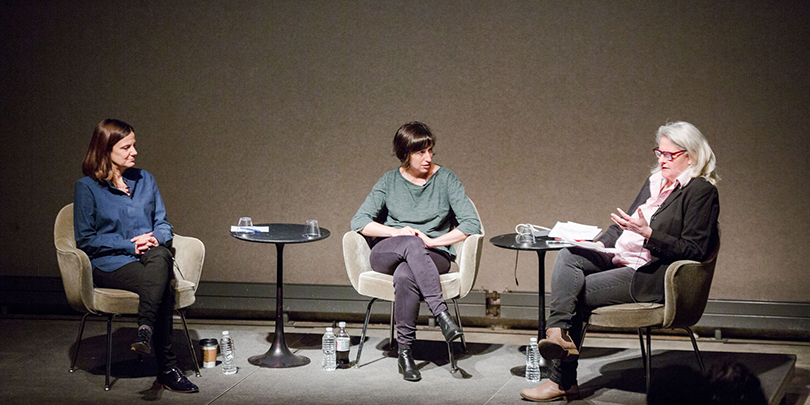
x=208 y=341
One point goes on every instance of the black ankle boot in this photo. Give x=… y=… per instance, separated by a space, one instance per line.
x=407 y=367
x=450 y=330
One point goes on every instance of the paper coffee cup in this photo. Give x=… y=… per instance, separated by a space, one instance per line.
x=209 y=349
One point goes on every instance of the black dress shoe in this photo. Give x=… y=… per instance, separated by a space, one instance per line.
x=450 y=330
x=175 y=380
x=407 y=367
x=143 y=343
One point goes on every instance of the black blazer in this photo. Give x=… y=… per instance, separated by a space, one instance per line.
x=683 y=228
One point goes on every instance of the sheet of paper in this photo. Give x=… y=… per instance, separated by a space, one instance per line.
x=572 y=231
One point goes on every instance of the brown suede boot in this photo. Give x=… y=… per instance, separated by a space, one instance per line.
x=557 y=345
x=550 y=391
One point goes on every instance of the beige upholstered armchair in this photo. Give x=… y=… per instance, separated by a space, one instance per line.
x=456 y=284
x=686 y=292
x=77 y=278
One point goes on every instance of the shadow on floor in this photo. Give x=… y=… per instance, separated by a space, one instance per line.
x=125 y=363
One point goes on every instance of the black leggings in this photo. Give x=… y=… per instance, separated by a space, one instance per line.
x=150 y=278
x=416 y=269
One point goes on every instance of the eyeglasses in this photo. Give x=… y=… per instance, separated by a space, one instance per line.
x=669 y=156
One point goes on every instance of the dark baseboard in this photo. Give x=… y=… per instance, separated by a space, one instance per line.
x=310 y=302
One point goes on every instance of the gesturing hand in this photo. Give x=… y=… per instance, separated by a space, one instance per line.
x=144 y=242
x=638 y=225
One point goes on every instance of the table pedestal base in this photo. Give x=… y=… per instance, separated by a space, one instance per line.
x=279 y=357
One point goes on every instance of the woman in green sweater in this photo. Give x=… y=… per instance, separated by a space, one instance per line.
x=416 y=212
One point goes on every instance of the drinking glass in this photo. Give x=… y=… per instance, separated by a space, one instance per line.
x=311 y=229
x=243 y=223
x=525 y=236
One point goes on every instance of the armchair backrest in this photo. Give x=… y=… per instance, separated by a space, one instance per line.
x=74 y=265
x=686 y=290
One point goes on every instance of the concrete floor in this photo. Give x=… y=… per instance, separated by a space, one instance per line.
x=36 y=364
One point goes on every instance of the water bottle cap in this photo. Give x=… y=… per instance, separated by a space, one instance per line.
x=225 y=332
x=329 y=329
x=533 y=340
x=342 y=324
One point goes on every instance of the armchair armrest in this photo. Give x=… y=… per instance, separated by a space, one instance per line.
x=356 y=254
x=77 y=274
x=468 y=258
x=189 y=258
x=686 y=292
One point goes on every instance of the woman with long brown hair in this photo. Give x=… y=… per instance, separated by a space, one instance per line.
x=119 y=220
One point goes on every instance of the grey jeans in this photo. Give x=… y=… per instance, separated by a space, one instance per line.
x=581 y=281
x=416 y=269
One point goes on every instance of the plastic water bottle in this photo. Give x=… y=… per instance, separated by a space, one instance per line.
x=532 y=361
x=226 y=346
x=328 y=345
x=343 y=343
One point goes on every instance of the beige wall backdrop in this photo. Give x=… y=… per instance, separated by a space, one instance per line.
x=285 y=111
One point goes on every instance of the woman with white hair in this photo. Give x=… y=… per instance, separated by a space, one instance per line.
x=674 y=217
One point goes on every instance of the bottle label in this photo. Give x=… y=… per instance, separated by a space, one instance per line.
x=343 y=344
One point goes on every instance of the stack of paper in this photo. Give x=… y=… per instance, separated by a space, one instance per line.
x=574 y=232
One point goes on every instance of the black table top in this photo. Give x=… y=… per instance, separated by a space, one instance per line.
x=507 y=241
x=281 y=233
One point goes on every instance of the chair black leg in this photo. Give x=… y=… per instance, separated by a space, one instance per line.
x=648 y=362
x=78 y=343
x=454 y=367
x=643 y=351
x=190 y=345
x=582 y=337
x=363 y=334
x=458 y=321
x=694 y=345
x=109 y=352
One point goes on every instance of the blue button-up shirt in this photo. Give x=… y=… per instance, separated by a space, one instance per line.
x=106 y=218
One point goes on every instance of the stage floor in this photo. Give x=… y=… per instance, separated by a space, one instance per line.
x=36 y=356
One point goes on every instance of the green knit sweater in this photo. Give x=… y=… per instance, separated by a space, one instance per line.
x=434 y=208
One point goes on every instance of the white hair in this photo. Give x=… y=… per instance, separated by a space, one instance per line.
x=686 y=137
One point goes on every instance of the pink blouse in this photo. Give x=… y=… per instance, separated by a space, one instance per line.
x=630 y=244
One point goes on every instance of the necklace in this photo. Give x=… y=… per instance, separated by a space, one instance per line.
x=121 y=185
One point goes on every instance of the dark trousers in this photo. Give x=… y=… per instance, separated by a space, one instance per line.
x=150 y=278
x=416 y=270
x=583 y=280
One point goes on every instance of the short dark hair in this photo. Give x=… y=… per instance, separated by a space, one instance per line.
x=412 y=137
x=97 y=164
